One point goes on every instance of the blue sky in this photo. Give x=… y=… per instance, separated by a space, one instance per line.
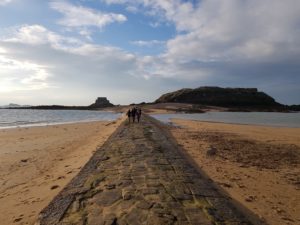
x=70 y=52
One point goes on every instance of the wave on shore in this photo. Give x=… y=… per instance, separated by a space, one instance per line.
x=10 y=118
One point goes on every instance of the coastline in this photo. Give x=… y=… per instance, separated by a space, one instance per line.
x=258 y=166
x=279 y=120
x=37 y=162
x=53 y=124
x=19 y=118
x=246 y=124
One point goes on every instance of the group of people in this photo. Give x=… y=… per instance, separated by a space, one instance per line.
x=133 y=113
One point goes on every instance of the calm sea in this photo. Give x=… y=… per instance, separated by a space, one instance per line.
x=26 y=117
x=255 y=118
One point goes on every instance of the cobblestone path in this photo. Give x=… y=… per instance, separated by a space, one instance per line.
x=140 y=177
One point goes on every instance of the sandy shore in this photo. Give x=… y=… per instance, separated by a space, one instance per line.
x=37 y=162
x=257 y=165
x=166 y=108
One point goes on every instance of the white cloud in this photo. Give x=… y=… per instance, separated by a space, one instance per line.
x=132 y=9
x=22 y=75
x=4 y=2
x=115 y=1
x=32 y=61
x=155 y=24
x=228 y=30
x=235 y=31
x=86 y=33
x=79 y=16
x=32 y=34
x=147 y=43
x=39 y=35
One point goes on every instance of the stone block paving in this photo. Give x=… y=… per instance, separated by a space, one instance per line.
x=140 y=177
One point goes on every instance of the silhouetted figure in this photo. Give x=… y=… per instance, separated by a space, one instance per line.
x=129 y=114
x=138 y=114
x=133 y=114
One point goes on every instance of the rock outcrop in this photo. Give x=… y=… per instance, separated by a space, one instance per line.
x=101 y=102
x=294 y=107
x=216 y=96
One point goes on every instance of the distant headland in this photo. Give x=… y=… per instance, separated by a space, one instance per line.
x=100 y=103
x=236 y=99
x=200 y=99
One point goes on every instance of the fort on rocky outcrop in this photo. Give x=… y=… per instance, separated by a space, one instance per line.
x=216 y=96
x=101 y=102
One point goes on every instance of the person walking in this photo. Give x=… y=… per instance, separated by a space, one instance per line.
x=133 y=114
x=129 y=114
x=139 y=113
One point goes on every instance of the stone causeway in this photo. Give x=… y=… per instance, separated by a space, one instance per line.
x=141 y=176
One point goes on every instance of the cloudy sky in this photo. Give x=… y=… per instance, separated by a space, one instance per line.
x=70 y=52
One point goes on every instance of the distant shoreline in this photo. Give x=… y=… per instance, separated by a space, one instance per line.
x=39 y=118
x=55 y=108
x=176 y=107
x=52 y=124
x=268 y=119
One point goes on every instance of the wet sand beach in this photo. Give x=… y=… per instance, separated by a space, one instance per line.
x=259 y=166
x=37 y=162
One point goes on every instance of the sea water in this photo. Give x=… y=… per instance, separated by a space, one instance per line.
x=255 y=118
x=10 y=118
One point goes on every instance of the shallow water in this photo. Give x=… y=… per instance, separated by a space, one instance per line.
x=255 y=118
x=29 y=117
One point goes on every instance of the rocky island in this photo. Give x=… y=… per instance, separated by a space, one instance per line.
x=238 y=99
x=101 y=102
x=218 y=96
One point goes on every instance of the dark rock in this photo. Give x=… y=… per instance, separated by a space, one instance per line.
x=127 y=195
x=101 y=102
x=294 y=107
x=241 y=186
x=18 y=220
x=54 y=187
x=110 y=186
x=250 y=198
x=227 y=185
x=110 y=219
x=216 y=96
x=211 y=152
